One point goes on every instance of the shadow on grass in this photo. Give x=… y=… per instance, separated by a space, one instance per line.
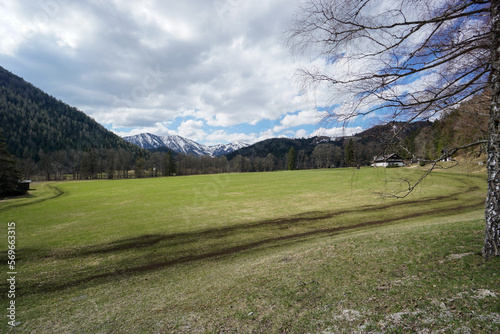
x=156 y=251
x=282 y=223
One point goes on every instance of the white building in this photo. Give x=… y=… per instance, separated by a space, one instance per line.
x=389 y=160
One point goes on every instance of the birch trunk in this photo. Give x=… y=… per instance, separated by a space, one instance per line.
x=492 y=208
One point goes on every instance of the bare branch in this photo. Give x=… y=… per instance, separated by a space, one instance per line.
x=448 y=43
x=447 y=154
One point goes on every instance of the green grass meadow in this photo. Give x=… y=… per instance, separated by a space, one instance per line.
x=316 y=251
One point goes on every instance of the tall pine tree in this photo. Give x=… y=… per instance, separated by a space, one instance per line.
x=350 y=156
x=292 y=159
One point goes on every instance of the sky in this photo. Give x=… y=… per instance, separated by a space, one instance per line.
x=212 y=71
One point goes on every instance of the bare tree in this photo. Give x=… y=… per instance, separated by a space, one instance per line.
x=406 y=60
x=327 y=155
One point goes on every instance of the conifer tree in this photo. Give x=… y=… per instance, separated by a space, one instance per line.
x=292 y=159
x=140 y=165
x=169 y=165
x=350 y=158
x=9 y=175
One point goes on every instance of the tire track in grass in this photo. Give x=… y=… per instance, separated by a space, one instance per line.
x=58 y=193
x=151 y=240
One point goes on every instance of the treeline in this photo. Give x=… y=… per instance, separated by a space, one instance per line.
x=114 y=164
x=321 y=156
x=96 y=164
x=121 y=164
x=274 y=154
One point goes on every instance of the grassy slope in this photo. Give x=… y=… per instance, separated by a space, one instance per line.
x=268 y=252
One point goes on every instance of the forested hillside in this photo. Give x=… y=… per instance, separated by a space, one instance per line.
x=35 y=123
x=278 y=147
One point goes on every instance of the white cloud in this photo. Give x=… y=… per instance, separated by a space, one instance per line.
x=11 y=36
x=221 y=136
x=192 y=129
x=301 y=134
x=141 y=65
x=305 y=117
x=159 y=128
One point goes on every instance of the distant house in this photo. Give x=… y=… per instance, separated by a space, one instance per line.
x=389 y=160
x=23 y=185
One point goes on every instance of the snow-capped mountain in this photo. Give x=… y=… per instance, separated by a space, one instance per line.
x=223 y=149
x=147 y=141
x=182 y=145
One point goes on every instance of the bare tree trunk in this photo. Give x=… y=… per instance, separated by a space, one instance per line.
x=492 y=209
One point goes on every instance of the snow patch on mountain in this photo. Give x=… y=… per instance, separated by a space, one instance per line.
x=147 y=141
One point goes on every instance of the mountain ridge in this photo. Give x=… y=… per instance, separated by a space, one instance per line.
x=181 y=144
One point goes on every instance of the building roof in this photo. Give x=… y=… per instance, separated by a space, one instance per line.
x=392 y=156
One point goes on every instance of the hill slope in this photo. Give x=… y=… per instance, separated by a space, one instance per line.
x=31 y=121
x=279 y=147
